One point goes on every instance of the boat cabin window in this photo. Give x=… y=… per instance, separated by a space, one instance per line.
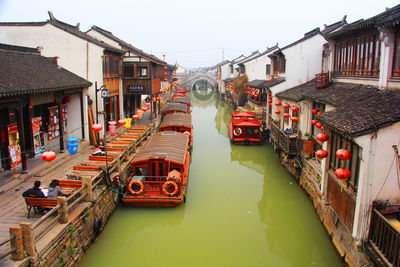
x=141 y=171
x=157 y=170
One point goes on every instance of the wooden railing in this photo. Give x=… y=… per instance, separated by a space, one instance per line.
x=287 y=142
x=384 y=239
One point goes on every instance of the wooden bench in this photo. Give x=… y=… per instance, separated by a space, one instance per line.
x=70 y=184
x=39 y=203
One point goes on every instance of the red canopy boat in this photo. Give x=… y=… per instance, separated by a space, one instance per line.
x=179 y=122
x=244 y=128
x=183 y=100
x=174 y=108
x=159 y=172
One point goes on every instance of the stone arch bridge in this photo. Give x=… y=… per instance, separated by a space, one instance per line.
x=197 y=80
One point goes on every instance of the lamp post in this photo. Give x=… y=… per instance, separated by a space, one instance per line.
x=97 y=90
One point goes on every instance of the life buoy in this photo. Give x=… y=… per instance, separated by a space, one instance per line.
x=237 y=131
x=166 y=186
x=135 y=191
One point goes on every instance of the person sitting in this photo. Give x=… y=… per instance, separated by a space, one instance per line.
x=55 y=190
x=35 y=191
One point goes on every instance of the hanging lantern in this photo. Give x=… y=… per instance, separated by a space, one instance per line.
x=342 y=174
x=315 y=111
x=278 y=104
x=165 y=79
x=270 y=104
x=135 y=117
x=286 y=106
x=66 y=99
x=318 y=125
x=313 y=122
x=322 y=137
x=97 y=127
x=55 y=101
x=49 y=156
x=139 y=113
x=295 y=109
x=158 y=98
x=321 y=154
x=295 y=119
x=165 y=68
x=286 y=115
x=112 y=128
x=278 y=111
x=121 y=122
x=72 y=145
x=128 y=123
x=319 y=112
x=270 y=101
x=343 y=154
x=165 y=73
x=322 y=128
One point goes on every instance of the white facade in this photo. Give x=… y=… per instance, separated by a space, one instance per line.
x=225 y=73
x=256 y=67
x=75 y=54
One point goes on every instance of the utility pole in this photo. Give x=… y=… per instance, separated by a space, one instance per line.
x=223 y=56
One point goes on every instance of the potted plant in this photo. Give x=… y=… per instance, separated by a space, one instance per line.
x=307 y=136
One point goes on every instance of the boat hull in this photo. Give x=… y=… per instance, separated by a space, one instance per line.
x=152 y=201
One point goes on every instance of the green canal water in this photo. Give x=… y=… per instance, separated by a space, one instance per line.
x=243 y=209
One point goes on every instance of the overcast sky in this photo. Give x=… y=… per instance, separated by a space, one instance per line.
x=194 y=33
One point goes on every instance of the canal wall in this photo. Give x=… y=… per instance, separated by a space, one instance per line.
x=309 y=178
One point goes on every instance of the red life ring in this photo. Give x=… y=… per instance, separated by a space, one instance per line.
x=237 y=131
x=135 y=191
x=166 y=185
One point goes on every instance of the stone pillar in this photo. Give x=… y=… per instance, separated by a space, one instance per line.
x=29 y=239
x=62 y=210
x=16 y=244
x=87 y=182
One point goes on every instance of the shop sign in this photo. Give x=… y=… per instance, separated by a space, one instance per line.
x=135 y=88
x=14 y=149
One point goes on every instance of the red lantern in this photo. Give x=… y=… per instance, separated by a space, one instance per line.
x=165 y=68
x=318 y=125
x=321 y=154
x=314 y=111
x=342 y=174
x=158 y=98
x=322 y=137
x=49 y=156
x=165 y=73
x=148 y=105
x=295 y=109
x=322 y=128
x=67 y=99
x=270 y=104
x=343 y=154
x=270 y=101
x=286 y=106
x=55 y=101
x=121 y=122
x=278 y=104
x=278 y=111
x=313 y=122
x=286 y=115
x=295 y=119
x=319 y=112
x=269 y=94
x=97 y=127
x=165 y=79
x=135 y=117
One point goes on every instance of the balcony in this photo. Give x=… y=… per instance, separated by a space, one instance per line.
x=285 y=140
x=384 y=237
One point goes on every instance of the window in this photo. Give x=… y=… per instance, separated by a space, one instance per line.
x=128 y=71
x=353 y=164
x=111 y=65
x=396 y=56
x=268 y=69
x=231 y=66
x=278 y=63
x=143 y=71
x=358 y=56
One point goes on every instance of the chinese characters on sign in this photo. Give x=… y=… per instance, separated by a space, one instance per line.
x=135 y=88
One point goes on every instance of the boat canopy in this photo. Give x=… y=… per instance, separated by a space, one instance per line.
x=245 y=121
x=169 y=146
x=174 y=107
x=177 y=119
x=243 y=114
x=182 y=100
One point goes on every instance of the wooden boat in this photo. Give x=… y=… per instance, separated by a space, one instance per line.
x=244 y=128
x=174 y=108
x=179 y=122
x=159 y=172
x=183 y=100
x=176 y=95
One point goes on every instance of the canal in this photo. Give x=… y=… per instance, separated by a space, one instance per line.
x=243 y=209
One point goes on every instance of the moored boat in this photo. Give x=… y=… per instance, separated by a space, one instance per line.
x=179 y=122
x=183 y=100
x=159 y=172
x=244 y=128
x=174 y=108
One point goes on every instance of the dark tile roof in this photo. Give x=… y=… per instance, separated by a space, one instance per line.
x=128 y=46
x=388 y=18
x=255 y=83
x=371 y=113
x=269 y=50
x=24 y=71
x=334 y=26
x=307 y=35
x=249 y=57
x=268 y=84
x=360 y=109
x=229 y=80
